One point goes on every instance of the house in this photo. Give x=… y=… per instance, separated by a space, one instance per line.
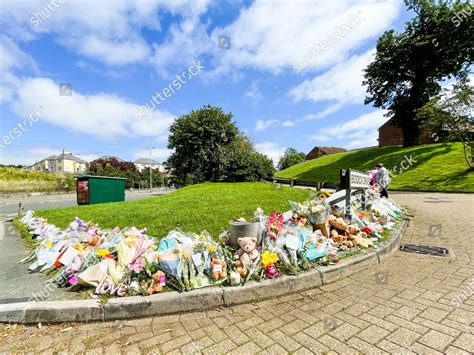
x=317 y=152
x=62 y=163
x=143 y=163
x=389 y=135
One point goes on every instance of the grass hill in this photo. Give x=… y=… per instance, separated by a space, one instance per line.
x=194 y=208
x=21 y=180
x=438 y=166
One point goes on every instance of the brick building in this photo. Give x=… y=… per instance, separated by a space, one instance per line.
x=390 y=135
x=317 y=152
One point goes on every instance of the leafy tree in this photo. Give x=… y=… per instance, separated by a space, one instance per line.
x=244 y=163
x=449 y=116
x=437 y=43
x=289 y=158
x=199 y=140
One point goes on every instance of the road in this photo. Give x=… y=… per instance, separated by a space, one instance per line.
x=408 y=304
x=37 y=203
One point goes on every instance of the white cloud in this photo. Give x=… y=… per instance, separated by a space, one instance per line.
x=102 y=115
x=271 y=149
x=359 y=132
x=264 y=124
x=273 y=35
x=342 y=84
x=107 y=31
x=254 y=94
x=288 y=123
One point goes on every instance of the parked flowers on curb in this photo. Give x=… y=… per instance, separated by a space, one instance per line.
x=125 y=262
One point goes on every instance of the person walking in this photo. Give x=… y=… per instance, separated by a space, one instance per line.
x=383 y=179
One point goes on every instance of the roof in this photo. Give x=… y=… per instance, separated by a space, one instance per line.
x=146 y=161
x=65 y=157
x=108 y=157
x=328 y=150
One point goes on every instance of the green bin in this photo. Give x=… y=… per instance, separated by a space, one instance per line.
x=99 y=189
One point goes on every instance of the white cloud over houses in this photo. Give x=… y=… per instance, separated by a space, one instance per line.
x=355 y=133
x=102 y=115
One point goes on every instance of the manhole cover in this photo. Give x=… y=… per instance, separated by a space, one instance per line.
x=423 y=249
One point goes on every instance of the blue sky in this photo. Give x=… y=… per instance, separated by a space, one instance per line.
x=291 y=74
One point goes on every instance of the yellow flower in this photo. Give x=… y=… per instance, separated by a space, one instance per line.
x=212 y=248
x=268 y=258
x=185 y=255
x=49 y=245
x=102 y=252
x=79 y=247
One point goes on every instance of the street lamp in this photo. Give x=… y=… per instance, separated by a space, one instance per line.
x=151 y=183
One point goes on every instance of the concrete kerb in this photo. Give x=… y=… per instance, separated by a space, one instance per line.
x=196 y=300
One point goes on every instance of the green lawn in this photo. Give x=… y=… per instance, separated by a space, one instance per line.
x=194 y=208
x=437 y=167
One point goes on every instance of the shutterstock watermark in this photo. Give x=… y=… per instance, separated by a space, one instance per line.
x=45 y=12
x=322 y=46
x=174 y=86
x=16 y=132
x=463 y=14
x=459 y=299
x=404 y=165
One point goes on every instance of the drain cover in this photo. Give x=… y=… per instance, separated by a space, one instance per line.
x=423 y=249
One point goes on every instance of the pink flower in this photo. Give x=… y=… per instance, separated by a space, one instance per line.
x=73 y=280
x=137 y=266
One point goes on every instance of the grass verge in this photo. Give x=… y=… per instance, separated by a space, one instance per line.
x=207 y=206
x=429 y=167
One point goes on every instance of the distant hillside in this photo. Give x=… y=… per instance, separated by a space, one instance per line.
x=21 y=180
x=438 y=166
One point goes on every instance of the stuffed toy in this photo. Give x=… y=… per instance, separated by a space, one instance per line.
x=155 y=285
x=218 y=269
x=246 y=255
x=338 y=223
x=271 y=271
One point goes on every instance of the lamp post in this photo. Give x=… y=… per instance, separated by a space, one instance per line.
x=151 y=183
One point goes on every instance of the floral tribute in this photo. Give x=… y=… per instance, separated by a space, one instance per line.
x=122 y=262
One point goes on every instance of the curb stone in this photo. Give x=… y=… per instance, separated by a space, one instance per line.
x=196 y=300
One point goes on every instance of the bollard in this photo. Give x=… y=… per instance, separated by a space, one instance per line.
x=21 y=207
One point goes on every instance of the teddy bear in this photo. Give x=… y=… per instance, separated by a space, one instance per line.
x=155 y=285
x=218 y=269
x=246 y=255
x=336 y=236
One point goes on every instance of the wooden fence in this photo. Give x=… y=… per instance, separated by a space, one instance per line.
x=318 y=185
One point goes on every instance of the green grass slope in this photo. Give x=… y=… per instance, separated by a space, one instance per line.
x=194 y=208
x=438 y=166
x=21 y=180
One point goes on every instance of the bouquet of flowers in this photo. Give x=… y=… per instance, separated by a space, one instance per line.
x=316 y=211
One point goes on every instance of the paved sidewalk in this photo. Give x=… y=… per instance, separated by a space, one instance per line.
x=408 y=304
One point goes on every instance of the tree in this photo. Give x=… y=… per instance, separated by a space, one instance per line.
x=436 y=44
x=244 y=163
x=113 y=167
x=289 y=158
x=199 y=140
x=449 y=116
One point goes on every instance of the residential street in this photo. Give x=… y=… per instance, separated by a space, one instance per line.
x=408 y=304
x=36 y=203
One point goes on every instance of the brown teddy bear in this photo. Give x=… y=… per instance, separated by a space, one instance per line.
x=218 y=269
x=154 y=285
x=246 y=255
